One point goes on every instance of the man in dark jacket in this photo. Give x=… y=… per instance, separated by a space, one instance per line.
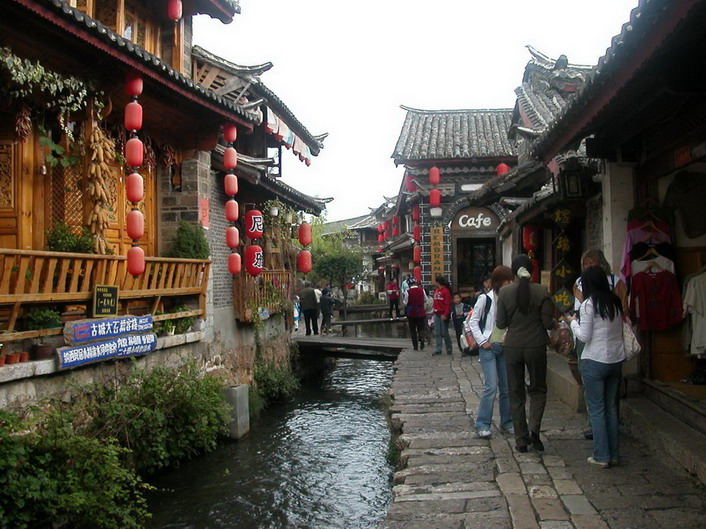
x=307 y=300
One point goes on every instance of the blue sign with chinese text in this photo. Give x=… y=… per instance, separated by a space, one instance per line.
x=93 y=330
x=123 y=347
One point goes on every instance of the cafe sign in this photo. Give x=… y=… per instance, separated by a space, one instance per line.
x=475 y=219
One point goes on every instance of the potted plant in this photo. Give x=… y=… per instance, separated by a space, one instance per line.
x=38 y=319
x=167 y=327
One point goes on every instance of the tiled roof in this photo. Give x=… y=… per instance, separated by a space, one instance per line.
x=223 y=10
x=251 y=73
x=454 y=135
x=651 y=23
x=154 y=63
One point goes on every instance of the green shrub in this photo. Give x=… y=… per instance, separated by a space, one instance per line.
x=61 y=238
x=190 y=242
x=275 y=383
x=37 y=318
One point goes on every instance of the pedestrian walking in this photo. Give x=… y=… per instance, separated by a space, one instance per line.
x=600 y=327
x=309 y=305
x=393 y=297
x=459 y=312
x=442 y=313
x=414 y=299
x=526 y=311
x=296 y=312
x=492 y=357
x=326 y=305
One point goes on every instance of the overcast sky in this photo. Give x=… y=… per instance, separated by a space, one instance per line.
x=346 y=67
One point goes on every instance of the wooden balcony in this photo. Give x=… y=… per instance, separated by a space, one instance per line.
x=269 y=289
x=30 y=276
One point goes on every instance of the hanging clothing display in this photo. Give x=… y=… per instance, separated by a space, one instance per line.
x=695 y=312
x=655 y=301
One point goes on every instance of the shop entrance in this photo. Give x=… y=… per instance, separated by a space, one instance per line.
x=475 y=257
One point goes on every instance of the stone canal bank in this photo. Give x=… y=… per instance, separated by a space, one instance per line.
x=451 y=479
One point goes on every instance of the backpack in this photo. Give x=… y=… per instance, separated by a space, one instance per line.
x=470 y=340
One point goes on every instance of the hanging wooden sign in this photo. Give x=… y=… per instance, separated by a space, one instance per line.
x=436 y=237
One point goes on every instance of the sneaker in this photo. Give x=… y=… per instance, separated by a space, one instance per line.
x=601 y=464
x=484 y=434
x=436 y=353
x=536 y=442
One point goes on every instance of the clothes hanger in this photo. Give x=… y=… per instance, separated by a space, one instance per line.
x=649 y=253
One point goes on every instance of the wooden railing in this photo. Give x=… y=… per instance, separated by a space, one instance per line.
x=30 y=276
x=269 y=289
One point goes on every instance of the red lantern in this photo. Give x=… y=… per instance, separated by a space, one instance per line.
x=305 y=234
x=395 y=220
x=232 y=211
x=304 y=261
x=234 y=263
x=232 y=237
x=381 y=238
x=254 y=259
x=434 y=198
x=230 y=158
x=230 y=183
x=386 y=225
x=530 y=237
x=134 y=152
x=434 y=176
x=135 y=261
x=416 y=213
x=135 y=224
x=230 y=133
x=381 y=228
x=417 y=254
x=395 y=231
x=254 y=223
x=133 y=116
x=409 y=184
x=501 y=169
x=418 y=274
x=535 y=271
x=133 y=83
x=174 y=10
x=134 y=187
x=417 y=233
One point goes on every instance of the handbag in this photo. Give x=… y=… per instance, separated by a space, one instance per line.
x=630 y=343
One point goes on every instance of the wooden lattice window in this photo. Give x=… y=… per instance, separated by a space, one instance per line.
x=138 y=28
x=7 y=176
x=67 y=200
x=107 y=13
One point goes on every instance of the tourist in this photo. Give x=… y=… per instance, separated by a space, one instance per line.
x=459 y=312
x=326 y=304
x=393 y=296
x=309 y=305
x=526 y=311
x=405 y=286
x=600 y=327
x=296 y=312
x=414 y=298
x=442 y=313
x=492 y=358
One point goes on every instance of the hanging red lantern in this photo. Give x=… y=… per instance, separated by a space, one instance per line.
x=386 y=225
x=230 y=158
x=232 y=237
x=409 y=184
x=230 y=132
x=434 y=176
x=304 y=261
x=134 y=152
x=135 y=224
x=395 y=220
x=417 y=254
x=381 y=238
x=134 y=187
x=254 y=259
x=416 y=213
x=434 y=198
x=381 y=228
x=254 y=223
x=135 y=261
x=230 y=184
x=305 y=234
x=418 y=274
x=174 y=10
x=232 y=211
x=501 y=169
x=234 y=263
x=417 y=233
x=133 y=116
x=530 y=237
x=395 y=231
x=133 y=83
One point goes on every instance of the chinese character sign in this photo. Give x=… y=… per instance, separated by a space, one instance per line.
x=436 y=237
x=92 y=330
x=136 y=344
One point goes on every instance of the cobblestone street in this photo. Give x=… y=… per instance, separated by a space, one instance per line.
x=451 y=479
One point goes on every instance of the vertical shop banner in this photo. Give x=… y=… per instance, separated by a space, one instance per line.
x=437 y=251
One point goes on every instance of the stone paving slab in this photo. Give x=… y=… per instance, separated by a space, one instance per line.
x=451 y=479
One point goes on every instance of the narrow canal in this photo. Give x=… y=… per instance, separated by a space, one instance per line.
x=318 y=461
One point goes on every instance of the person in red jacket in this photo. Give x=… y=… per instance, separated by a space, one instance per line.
x=393 y=296
x=442 y=312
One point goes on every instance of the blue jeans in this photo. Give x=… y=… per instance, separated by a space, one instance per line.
x=495 y=379
x=441 y=331
x=600 y=385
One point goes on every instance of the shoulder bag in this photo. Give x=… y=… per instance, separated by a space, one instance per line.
x=630 y=343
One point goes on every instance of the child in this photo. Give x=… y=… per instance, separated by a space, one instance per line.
x=297 y=310
x=459 y=312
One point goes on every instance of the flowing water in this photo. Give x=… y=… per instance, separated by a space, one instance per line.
x=318 y=461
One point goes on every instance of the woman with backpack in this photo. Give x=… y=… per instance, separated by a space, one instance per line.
x=414 y=298
x=442 y=314
x=492 y=358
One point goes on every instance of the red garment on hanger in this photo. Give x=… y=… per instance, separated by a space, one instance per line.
x=655 y=300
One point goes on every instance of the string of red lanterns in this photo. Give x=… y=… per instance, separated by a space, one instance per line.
x=134 y=183
x=230 y=185
x=304 y=258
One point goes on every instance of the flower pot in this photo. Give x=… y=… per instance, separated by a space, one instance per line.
x=2 y=360
x=12 y=358
x=43 y=351
x=24 y=356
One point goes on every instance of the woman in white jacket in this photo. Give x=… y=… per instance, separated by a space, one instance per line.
x=492 y=358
